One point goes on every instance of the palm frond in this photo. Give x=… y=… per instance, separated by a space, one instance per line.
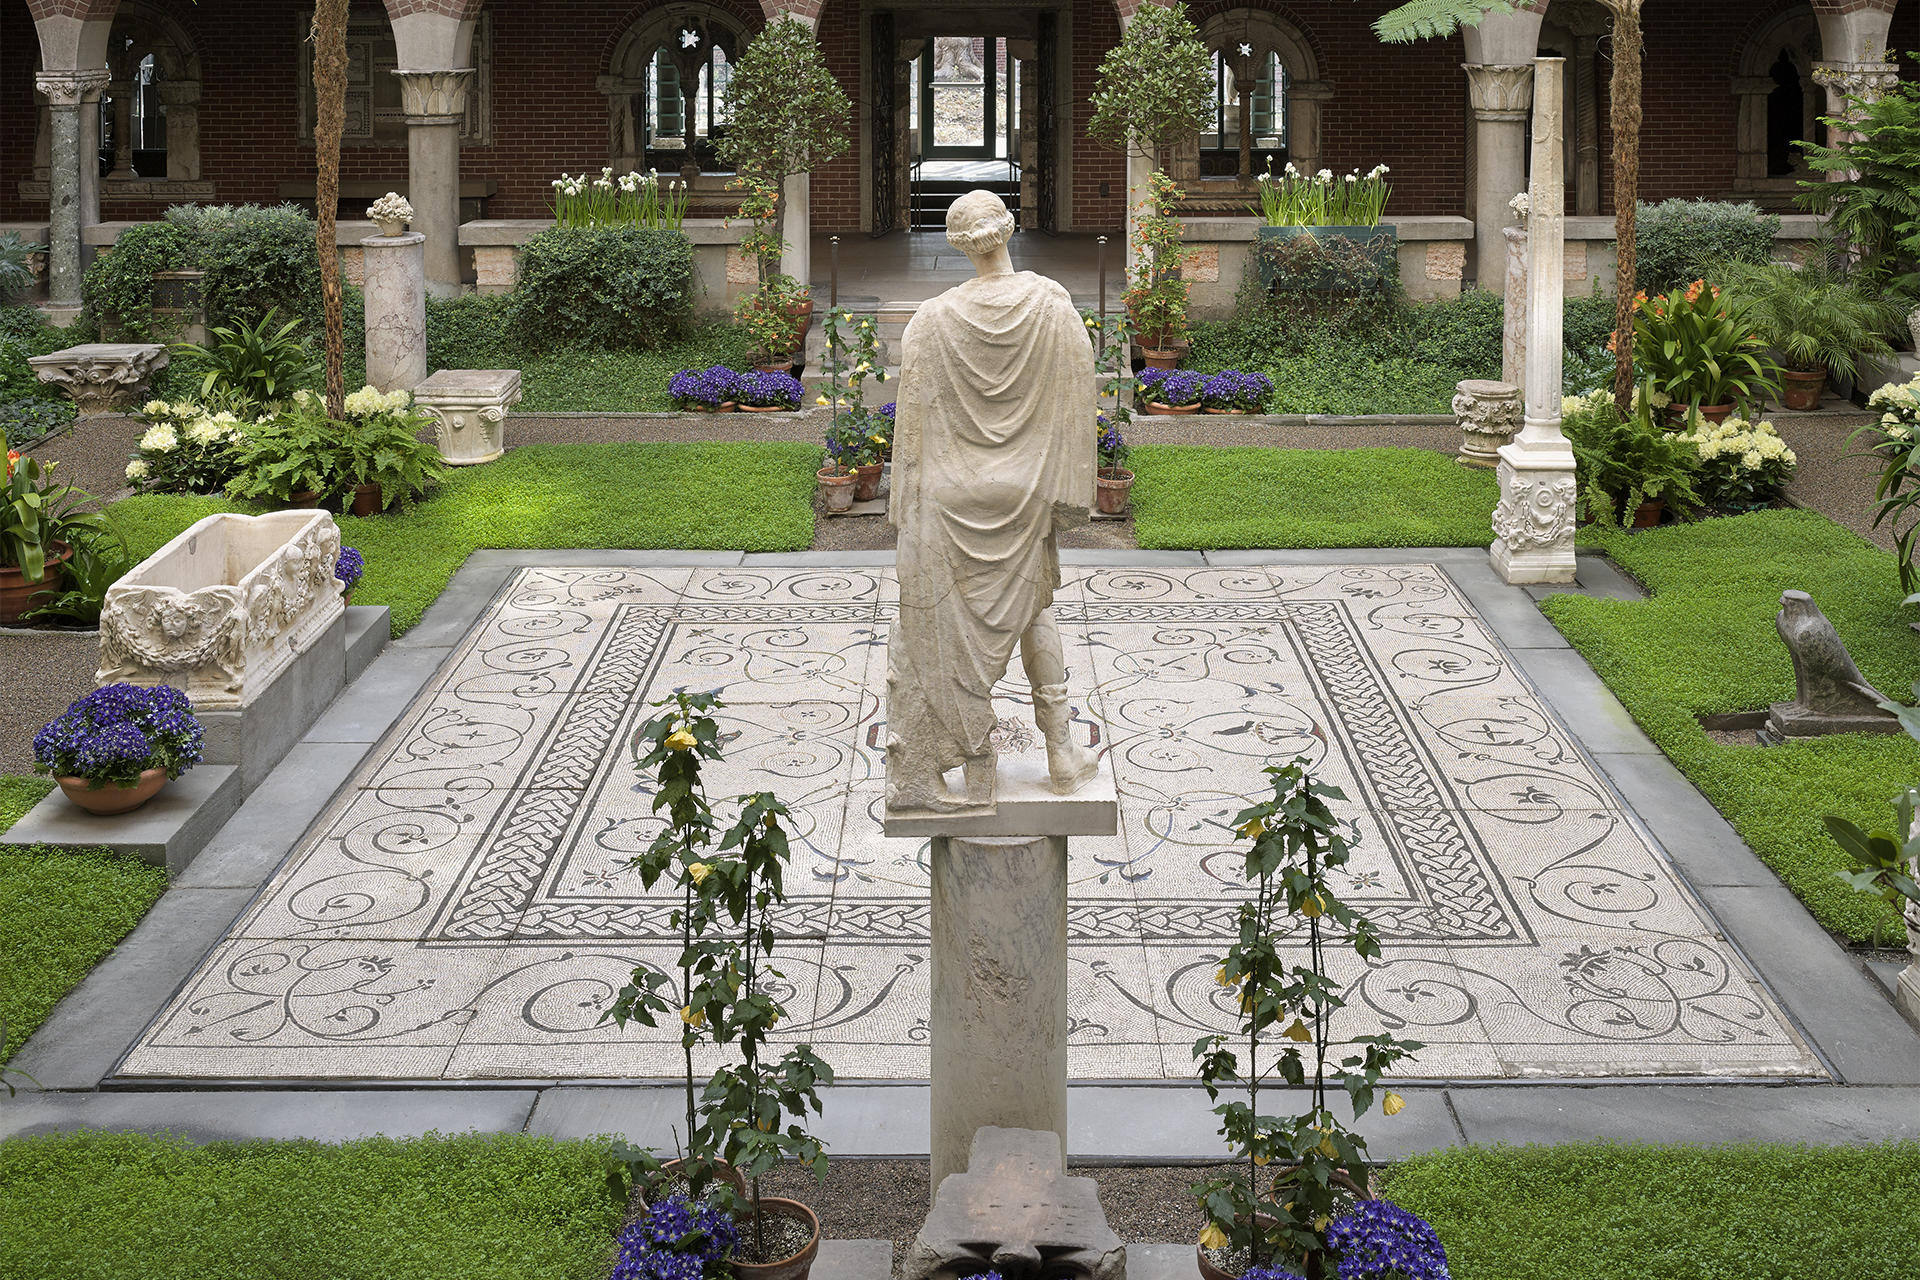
x=1433 y=19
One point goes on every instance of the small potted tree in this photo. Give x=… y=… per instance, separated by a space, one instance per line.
x=113 y=750
x=1112 y=479
x=1820 y=322
x=853 y=356
x=1295 y=1174
x=1156 y=296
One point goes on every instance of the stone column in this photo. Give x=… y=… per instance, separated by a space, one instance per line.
x=122 y=92
x=796 y=221
x=999 y=990
x=1513 y=334
x=435 y=106
x=395 y=280
x=1501 y=94
x=1533 y=523
x=66 y=93
x=1906 y=992
x=1847 y=83
x=1586 y=167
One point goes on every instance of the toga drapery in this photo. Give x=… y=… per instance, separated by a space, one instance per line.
x=994 y=427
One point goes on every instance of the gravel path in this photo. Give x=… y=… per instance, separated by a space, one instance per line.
x=44 y=673
x=93 y=453
x=1828 y=480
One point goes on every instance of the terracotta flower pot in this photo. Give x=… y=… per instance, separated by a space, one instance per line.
x=1211 y=409
x=18 y=596
x=303 y=500
x=1172 y=410
x=796 y=1266
x=1648 y=514
x=1161 y=357
x=866 y=481
x=836 y=489
x=726 y=406
x=773 y=366
x=114 y=797
x=766 y=408
x=1714 y=413
x=802 y=313
x=1114 y=485
x=366 y=500
x=1801 y=389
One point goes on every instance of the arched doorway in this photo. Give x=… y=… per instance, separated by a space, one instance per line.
x=666 y=88
x=1779 y=104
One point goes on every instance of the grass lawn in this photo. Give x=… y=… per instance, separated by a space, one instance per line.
x=736 y=497
x=1705 y=642
x=620 y=381
x=60 y=912
x=104 y=1207
x=1593 y=1211
x=1197 y=497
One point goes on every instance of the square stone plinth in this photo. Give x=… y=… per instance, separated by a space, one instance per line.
x=1024 y=805
x=469 y=407
x=101 y=377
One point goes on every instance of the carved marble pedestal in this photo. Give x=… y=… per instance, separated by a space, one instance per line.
x=395 y=279
x=1016 y=1210
x=1489 y=415
x=1000 y=956
x=469 y=407
x=1906 y=992
x=1533 y=525
x=102 y=377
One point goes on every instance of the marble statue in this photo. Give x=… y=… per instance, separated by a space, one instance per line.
x=1830 y=694
x=993 y=451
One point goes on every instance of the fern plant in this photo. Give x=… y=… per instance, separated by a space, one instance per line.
x=1625 y=459
x=297 y=452
x=388 y=449
x=1869 y=188
x=1433 y=19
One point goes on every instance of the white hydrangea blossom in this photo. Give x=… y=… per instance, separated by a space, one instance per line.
x=137 y=470
x=156 y=409
x=160 y=438
x=206 y=431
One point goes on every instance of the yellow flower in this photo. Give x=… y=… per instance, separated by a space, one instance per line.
x=699 y=871
x=692 y=1019
x=1212 y=1237
x=1298 y=1032
x=1394 y=1104
x=1246 y=1002
x=1327 y=1148
x=1222 y=979
x=1253 y=830
x=1262 y=1158
x=1313 y=905
x=820 y=400
x=680 y=740
x=1320 y=1224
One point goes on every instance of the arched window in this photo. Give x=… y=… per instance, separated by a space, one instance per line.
x=1267 y=86
x=666 y=89
x=1779 y=105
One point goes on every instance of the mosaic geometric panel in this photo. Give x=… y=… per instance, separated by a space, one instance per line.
x=464 y=909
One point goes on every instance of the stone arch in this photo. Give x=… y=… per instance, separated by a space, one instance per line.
x=124 y=35
x=1786 y=41
x=1263 y=31
x=719 y=33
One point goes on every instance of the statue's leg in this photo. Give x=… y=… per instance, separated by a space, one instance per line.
x=1069 y=765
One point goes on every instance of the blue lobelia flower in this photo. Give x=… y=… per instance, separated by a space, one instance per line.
x=1378 y=1240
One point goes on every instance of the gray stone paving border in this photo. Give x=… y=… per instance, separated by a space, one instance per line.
x=1831 y=995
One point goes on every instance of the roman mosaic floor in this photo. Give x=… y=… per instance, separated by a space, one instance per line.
x=463 y=910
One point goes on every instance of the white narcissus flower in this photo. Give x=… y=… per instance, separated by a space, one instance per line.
x=1325 y=175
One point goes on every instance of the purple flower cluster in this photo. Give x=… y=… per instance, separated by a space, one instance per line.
x=1112 y=445
x=1174 y=387
x=677 y=1240
x=886 y=411
x=1379 y=1240
x=115 y=733
x=781 y=390
x=1269 y=1273
x=352 y=565
x=712 y=386
x=1232 y=389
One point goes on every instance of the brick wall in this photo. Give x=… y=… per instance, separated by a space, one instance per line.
x=1404 y=106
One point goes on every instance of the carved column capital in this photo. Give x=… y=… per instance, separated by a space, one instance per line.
x=66 y=90
x=1844 y=80
x=435 y=97
x=1499 y=91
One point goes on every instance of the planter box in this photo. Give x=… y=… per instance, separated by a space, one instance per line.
x=224 y=608
x=1380 y=245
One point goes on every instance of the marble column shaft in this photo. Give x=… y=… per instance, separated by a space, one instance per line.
x=67 y=92
x=435 y=105
x=1501 y=95
x=1513 y=334
x=999 y=1006
x=395 y=282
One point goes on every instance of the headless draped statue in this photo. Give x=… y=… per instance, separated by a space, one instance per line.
x=993 y=448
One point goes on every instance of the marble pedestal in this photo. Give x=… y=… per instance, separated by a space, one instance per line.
x=1016 y=1210
x=1533 y=524
x=469 y=408
x=395 y=280
x=101 y=377
x=999 y=966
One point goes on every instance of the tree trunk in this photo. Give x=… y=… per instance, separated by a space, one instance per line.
x=1624 y=90
x=329 y=120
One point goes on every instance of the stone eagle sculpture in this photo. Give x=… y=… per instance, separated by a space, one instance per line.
x=1830 y=694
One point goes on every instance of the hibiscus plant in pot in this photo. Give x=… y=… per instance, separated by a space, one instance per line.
x=731 y=882
x=113 y=750
x=1112 y=479
x=1295 y=1174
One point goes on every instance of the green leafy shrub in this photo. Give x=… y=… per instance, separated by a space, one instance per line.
x=1623 y=460
x=609 y=287
x=255 y=366
x=32 y=418
x=257 y=258
x=1678 y=240
x=471 y=331
x=16 y=266
x=118 y=287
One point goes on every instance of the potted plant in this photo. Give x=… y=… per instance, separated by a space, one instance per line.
x=1699 y=348
x=1744 y=466
x=37 y=521
x=1156 y=296
x=677 y=1237
x=1231 y=391
x=351 y=567
x=767 y=316
x=114 y=749
x=1171 y=391
x=1629 y=466
x=186 y=448
x=711 y=390
x=1113 y=482
x=293 y=458
x=731 y=882
x=1894 y=442
x=1820 y=322
x=1329 y=213
x=383 y=457
x=853 y=356
x=763 y=391
x=99 y=559
x=1294 y=1174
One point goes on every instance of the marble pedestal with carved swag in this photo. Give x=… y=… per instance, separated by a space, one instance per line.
x=469 y=408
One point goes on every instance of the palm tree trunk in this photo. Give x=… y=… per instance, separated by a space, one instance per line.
x=1624 y=91
x=329 y=120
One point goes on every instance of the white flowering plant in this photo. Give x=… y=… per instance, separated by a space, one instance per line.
x=1743 y=465
x=1893 y=441
x=186 y=448
x=644 y=200
x=303 y=455
x=1295 y=198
